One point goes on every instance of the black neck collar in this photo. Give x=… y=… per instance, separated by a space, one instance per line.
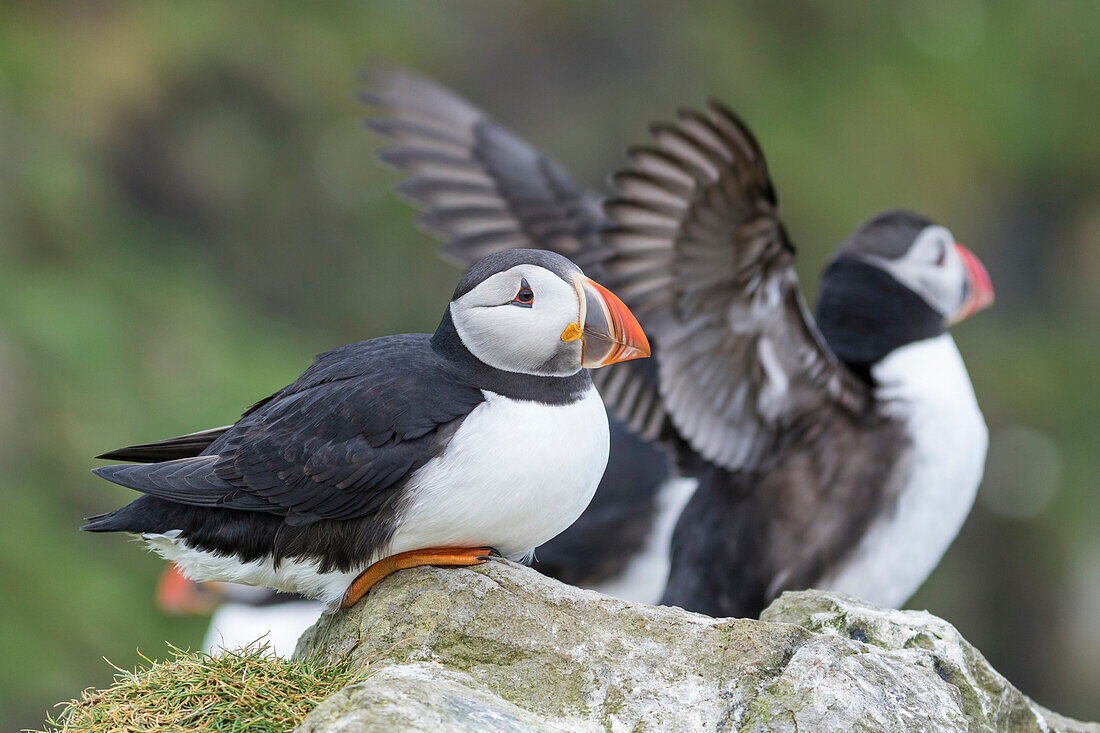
x=864 y=314
x=546 y=389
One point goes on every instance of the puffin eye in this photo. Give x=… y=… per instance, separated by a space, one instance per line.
x=943 y=255
x=525 y=298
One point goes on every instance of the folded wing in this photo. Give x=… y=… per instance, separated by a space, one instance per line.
x=339 y=443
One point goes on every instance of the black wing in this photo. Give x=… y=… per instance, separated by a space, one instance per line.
x=338 y=443
x=185 y=446
x=484 y=190
x=701 y=257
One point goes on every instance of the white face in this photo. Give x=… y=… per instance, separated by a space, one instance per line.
x=501 y=329
x=931 y=268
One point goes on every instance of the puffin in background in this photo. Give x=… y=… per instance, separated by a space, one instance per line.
x=486 y=436
x=842 y=454
x=239 y=614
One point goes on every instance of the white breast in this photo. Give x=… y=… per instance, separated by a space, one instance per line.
x=926 y=385
x=515 y=474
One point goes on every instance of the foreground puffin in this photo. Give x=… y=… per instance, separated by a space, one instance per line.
x=399 y=451
x=842 y=454
x=628 y=502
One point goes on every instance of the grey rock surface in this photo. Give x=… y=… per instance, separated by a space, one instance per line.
x=502 y=648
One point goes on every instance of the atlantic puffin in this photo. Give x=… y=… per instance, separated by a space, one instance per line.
x=628 y=502
x=842 y=453
x=486 y=436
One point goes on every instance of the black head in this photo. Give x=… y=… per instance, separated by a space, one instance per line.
x=498 y=262
x=888 y=235
x=898 y=279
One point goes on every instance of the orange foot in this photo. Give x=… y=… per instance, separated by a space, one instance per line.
x=453 y=556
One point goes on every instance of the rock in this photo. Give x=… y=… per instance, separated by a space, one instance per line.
x=501 y=648
x=421 y=697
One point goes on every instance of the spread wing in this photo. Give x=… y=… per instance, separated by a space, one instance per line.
x=483 y=190
x=701 y=257
x=481 y=187
x=338 y=443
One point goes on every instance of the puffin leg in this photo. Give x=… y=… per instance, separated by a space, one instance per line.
x=447 y=556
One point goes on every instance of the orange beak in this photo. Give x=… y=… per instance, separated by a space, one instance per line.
x=610 y=332
x=979 y=286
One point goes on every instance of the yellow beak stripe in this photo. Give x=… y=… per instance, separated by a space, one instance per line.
x=572 y=332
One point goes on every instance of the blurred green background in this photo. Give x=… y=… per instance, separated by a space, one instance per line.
x=189 y=210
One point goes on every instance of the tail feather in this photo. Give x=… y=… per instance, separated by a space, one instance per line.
x=148 y=515
x=101 y=522
x=144 y=514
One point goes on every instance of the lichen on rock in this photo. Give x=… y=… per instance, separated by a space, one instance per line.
x=502 y=648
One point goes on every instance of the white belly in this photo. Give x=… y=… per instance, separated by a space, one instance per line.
x=289 y=576
x=927 y=386
x=514 y=475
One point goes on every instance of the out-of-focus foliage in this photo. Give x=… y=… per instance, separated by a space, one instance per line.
x=189 y=211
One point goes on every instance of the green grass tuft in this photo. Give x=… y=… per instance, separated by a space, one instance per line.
x=248 y=689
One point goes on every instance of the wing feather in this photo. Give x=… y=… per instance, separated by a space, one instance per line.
x=338 y=443
x=700 y=253
x=184 y=446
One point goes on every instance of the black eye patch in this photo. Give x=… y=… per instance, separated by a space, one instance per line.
x=525 y=298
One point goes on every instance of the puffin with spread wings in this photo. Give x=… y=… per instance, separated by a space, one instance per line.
x=407 y=450
x=842 y=452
